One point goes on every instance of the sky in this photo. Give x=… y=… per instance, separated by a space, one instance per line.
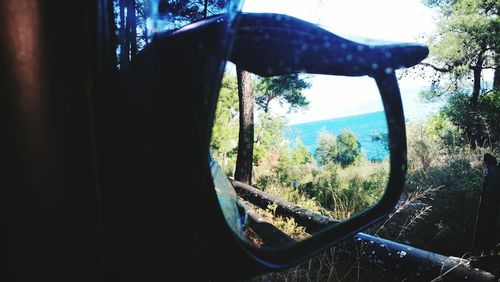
x=389 y=20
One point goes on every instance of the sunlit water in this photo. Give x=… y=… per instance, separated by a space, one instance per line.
x=368 y=129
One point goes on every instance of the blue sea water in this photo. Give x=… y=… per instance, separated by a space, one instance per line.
x=364 y=126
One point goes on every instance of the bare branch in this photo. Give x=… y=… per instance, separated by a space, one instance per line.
x=436 y=68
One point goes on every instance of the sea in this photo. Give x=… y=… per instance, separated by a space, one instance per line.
x=369 y=130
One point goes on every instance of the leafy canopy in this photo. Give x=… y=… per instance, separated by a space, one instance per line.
x=286 y=89
x=466 y=38
x=225 y=128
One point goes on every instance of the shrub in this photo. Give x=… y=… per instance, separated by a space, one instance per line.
x=444 y=133
x=349 y=148
x=422 y=151
x=449 y=227
x=343 y=149
x=326 y=152
x=478 y=125
x=345 y=192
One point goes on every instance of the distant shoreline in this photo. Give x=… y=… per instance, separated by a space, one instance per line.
x=335 y=118
x=364 y=126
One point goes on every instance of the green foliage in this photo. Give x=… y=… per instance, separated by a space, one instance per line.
x=344 y=192
x=225 y=129
x=344 y=185
x=450 y=174
x=422 y=152
x=327 y=151
x=440 y=165
x=344 y=149
x=294 y=196
x=466 y=29
x=286 y=89
x=301 y=154
x=366 y=191
x=339 y=183
x=448 y=228
x=189 y=11
x=442 y=131
x=489 y=113
x=465 y=44
x=349 y=148
x=480 y=124
x=325 y=188
x=332 y=189
x=268 y=135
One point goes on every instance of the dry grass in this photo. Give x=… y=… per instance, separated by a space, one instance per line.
x=343 y=262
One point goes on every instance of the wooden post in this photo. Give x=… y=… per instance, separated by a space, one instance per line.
x=485 y=234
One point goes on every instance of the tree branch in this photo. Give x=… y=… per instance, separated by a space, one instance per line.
x=436 y=68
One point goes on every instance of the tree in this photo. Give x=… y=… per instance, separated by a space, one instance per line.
x=131 y=27
x=224 y=131
x=349 y=149
x=269 y=136
x=244 y=159
x=327 y=151
x=301 y=154
x=186 y=11
x=480 y=128
x=127 y=31
x=466 y=43
x=132 y=16
x=343 y=149
x=122 y=35
x=286 y=89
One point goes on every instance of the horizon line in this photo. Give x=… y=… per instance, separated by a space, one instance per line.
x=319 y=120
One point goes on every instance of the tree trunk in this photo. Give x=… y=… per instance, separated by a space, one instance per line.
x=266 y=108
x=244 y=160
x=145 y=35
x=476 y=90
x=124 y=51
x=496 y=77
x=205 y=9
x=474 y=101
x=132 y=28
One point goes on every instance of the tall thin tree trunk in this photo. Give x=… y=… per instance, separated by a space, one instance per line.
x=266 y=108
x=244 y=159
x=476 y=70
x=474 y=101
x=496 y=76
x=132 y=28
x=476 y=90
x=124 y=51
x=145 y=35
x=205 y=9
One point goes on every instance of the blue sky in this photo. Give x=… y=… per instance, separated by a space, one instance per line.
x=391 y=20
